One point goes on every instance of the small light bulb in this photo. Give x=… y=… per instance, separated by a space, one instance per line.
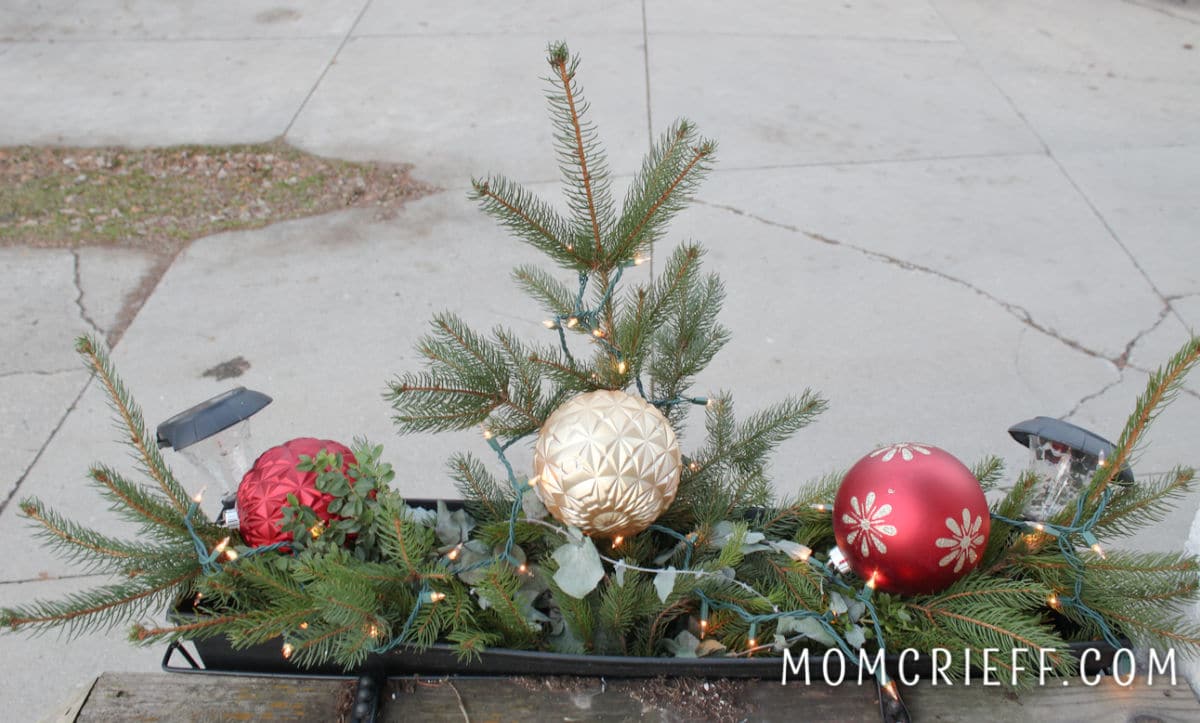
x=1039 y=527
x=570 y=247
x=572 y=322
x=316 y=530
x=304 y=625
x=871 y=582
x=199 y=496
x=288 y=648
x=487 y=433
x=231 y=554
x=550 y=324
x=373 y=631
x=453 y=554
x=437 y=596
x=890 y=687
x=616 y=541
x=710 y=403
x=522 y=569
x=1101 y=461
x=1099 y=551
x=622 y=367
x=694 y=466
x=1052 y=600
x=640 y=259
x=222 y=545
x=753 y=643
x=598 y=333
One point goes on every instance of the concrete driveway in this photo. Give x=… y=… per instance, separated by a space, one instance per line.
x=948 y=216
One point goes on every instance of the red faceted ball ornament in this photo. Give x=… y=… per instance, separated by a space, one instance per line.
x=912 y=517
x=264 y=490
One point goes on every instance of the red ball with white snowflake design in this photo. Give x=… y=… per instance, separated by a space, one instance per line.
x=912 y=517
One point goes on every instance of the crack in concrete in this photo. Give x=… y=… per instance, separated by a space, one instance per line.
x=1120 y=362
x=52 y=578
x=1162 y=11
x=1123 y=360
x=38 y=373
x=1018 y=312
x=1089 y=397
x=83 y=312
x=42 y=450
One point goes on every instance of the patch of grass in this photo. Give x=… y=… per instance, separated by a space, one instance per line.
x=157 y=199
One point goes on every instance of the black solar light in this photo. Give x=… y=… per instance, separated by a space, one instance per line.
x=214 y=436
x=1065 y=457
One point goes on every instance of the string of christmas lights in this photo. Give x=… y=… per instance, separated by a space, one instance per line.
x=1065 y=536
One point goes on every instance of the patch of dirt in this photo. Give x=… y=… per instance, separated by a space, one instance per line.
x=159 y=199
x=694 y=699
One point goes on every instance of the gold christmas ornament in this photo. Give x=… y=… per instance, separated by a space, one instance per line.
x=608 y=463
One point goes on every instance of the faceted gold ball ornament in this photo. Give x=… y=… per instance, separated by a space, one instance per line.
x=608 y=463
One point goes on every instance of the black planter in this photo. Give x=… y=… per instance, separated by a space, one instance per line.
x=216 y=655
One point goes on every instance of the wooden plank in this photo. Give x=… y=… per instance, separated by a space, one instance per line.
x=1074 y=702
x=166 y=697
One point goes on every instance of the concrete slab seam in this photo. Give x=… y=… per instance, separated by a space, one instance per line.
x=325 y=70
x=1061 y=168
x=42 y=449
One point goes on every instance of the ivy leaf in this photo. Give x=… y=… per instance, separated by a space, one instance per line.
x=453 y=527
x=579 y=567
x=664 y=583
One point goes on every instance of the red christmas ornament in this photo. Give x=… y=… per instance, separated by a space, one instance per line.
x=912 y=517
x=264 y=490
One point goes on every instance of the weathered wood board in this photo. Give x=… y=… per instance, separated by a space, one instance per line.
x=202 y=698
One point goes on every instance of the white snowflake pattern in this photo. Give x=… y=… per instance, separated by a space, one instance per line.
x=964 y=540
x=869 y=526
x=906 y=451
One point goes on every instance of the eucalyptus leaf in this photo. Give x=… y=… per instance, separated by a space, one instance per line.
x=422 y=516
x=664 y=583
x=453 y=527
x=808 y=627
x=683 y=646
x=856 y=636
x=579 y=567
x=532 y=506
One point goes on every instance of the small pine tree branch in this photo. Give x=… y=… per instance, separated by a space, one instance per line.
x=102 y=603
x=131 y=417
x=1160 y=389
x=134 y=502
x=564 y=68
x=530 y=218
